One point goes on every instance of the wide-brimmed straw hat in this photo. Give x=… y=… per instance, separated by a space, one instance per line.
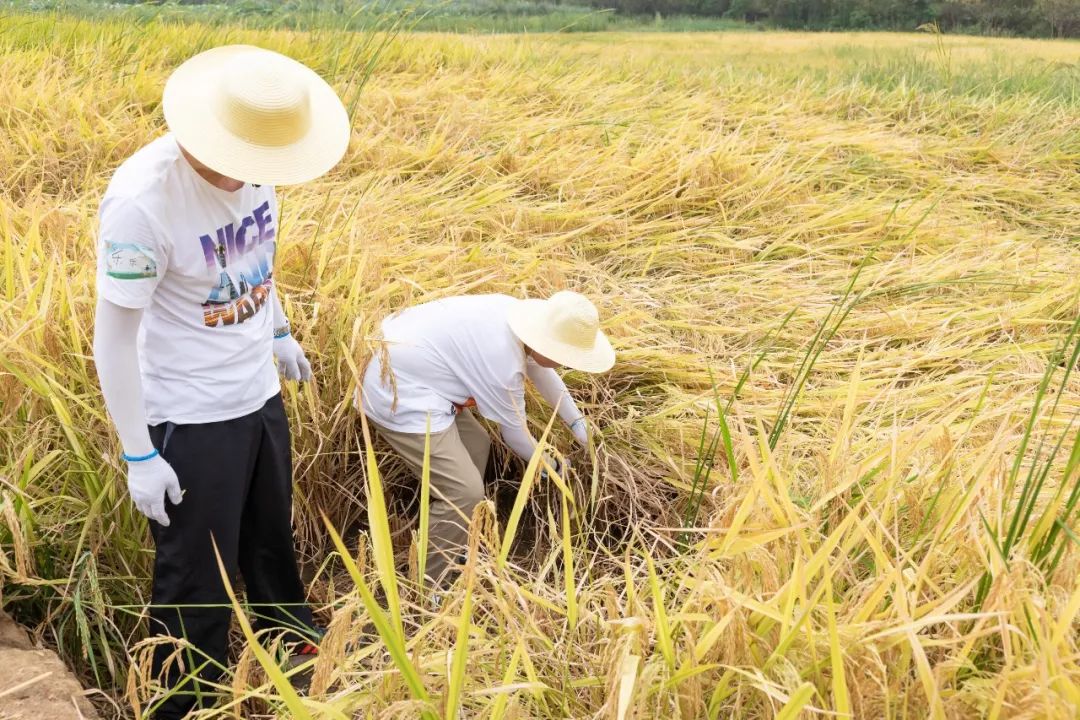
x=564 y=328
x=255 y=115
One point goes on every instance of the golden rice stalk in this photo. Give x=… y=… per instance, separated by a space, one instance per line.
x=332 y=649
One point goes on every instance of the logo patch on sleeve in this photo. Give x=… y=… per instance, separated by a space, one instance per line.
x=128 y=261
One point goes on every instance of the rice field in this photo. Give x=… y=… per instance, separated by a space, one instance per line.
x=837 y=465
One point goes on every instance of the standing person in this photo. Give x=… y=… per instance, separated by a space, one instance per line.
x=444 y=357
x=188 y=323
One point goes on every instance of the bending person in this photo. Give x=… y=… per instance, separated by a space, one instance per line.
x=188 y=324
x=443 y=358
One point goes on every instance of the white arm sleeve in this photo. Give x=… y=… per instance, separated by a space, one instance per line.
x=279 y=311
x=116 y=355
x=553 y=389
x=520 y=440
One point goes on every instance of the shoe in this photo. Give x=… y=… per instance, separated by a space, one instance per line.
x=299 y=654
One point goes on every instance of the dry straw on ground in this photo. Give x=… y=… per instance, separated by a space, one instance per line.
x=715 y=195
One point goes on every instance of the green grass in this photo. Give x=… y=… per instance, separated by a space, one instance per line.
x=470 y=16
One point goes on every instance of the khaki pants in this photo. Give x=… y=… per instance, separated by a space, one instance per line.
x=459 y=455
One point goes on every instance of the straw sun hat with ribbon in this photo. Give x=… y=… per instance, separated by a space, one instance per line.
x=564 y=328
x=255 y=115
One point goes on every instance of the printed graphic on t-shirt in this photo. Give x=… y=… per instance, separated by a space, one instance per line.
x=243 y=258
x=129 y=261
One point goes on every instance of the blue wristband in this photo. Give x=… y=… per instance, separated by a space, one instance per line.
x=285 y=334
x=140 y=458
x=579 y=420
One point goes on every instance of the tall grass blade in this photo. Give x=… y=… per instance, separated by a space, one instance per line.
x=456 y=686
x=282 y=684
x=795 y=704
x=662 y=626
x=394 y=642
x=379 y=526
x=425 y=511
x=569 y=582
x=527 y=480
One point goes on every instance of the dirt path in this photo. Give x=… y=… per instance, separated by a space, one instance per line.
x=34 y=683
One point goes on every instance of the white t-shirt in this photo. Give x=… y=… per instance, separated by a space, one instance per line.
x=200 y=260
x=446 y=352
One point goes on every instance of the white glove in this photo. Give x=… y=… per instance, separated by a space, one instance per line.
x=148 y=481
x=291 y=361
x=580 y=428
x=559 y=465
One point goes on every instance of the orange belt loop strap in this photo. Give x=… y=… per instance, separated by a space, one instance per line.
x=469 y=403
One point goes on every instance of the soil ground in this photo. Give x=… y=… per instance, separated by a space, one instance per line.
x=34 y=683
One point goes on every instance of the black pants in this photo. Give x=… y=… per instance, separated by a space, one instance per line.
x=237 y=481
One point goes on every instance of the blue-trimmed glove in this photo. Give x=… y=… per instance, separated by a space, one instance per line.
x=148 y=482
x=559 y=465
x=291 y=361
x=580 y=428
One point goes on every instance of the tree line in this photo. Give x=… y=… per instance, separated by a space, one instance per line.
x=1033 y=18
